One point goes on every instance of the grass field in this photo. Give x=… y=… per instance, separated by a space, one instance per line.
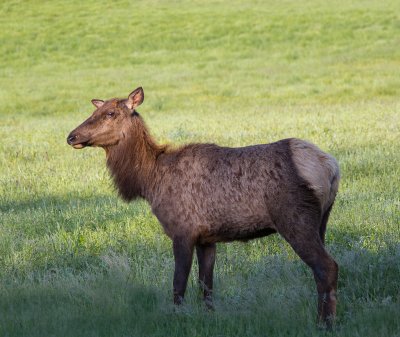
x=76 y=261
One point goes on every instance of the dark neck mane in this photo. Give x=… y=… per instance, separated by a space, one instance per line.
x=132 y=162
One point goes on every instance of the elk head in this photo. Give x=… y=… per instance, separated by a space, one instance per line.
x=108 y=123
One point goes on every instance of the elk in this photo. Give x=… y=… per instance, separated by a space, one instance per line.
x=203 y=193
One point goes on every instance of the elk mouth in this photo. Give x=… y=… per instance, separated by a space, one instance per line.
x=76 y=142
x=79 y=145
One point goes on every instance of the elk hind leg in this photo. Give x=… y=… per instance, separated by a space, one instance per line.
x=324 y=221
x=308 y=245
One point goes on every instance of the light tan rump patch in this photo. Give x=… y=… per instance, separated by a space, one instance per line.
x=318 y=168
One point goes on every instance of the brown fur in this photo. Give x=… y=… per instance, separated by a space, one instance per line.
x=133 y=162
x=203 y=193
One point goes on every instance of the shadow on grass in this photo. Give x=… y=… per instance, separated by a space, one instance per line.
x=126 y=292
x=116 y=304
x=96 y=305
x=276 y=298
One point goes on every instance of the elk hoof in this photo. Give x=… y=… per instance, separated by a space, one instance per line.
x=209 y=303
x=178 y=300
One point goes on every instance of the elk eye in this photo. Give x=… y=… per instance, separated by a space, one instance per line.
x=110 y=114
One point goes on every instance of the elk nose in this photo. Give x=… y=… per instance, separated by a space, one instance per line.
x=71 y=138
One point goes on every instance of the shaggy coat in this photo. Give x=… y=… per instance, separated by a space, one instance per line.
x=203 y=193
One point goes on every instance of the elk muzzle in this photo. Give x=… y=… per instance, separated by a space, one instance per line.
x=76 y=140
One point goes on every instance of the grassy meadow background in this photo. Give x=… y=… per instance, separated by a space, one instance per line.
x=76 y=261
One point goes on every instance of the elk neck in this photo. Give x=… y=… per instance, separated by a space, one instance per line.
x=133 y=161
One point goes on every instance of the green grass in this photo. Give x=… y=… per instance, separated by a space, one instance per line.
x=76 y=261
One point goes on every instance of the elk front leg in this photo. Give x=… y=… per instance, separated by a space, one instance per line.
x=206 y=259
x=183 y=254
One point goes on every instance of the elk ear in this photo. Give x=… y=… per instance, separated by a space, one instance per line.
x=135 y=98
x=97 y=103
